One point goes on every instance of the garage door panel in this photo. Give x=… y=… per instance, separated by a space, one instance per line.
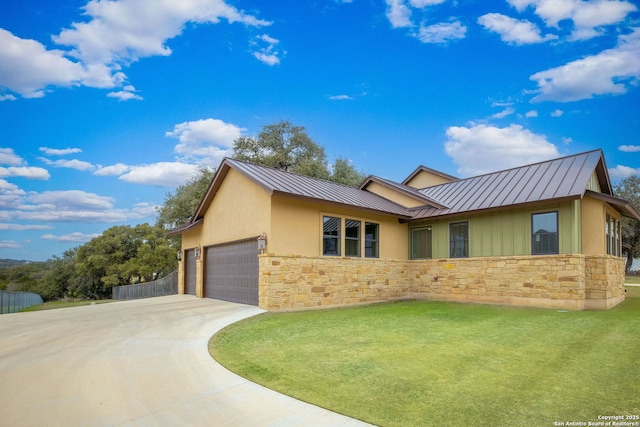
x=232 y=272
x=190 y=272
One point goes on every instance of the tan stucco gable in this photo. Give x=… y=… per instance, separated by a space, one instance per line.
x=424 y=177
x=239 y=210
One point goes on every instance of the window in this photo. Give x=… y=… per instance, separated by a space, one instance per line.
x=544 y=229
x=613 y=233
x=371 y=240
x=459 y=240
x=618 y=226
x=608 y=233
x=331 y=235
x=352 y=238
x=421 y=243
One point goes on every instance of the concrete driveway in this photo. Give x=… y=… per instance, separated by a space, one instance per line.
x=139 y=363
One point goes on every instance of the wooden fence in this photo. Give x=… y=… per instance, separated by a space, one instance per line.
x=167 y=285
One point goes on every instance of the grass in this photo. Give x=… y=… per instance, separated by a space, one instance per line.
x=633 y=279
x=423 y=363
x=51 y=305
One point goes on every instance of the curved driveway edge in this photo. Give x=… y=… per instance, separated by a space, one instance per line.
x=137 y=363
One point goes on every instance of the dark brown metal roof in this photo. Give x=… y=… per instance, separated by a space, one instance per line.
x=292 y=184
x=564 y=178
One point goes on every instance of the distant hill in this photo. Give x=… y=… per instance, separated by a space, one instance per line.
x=8 y=263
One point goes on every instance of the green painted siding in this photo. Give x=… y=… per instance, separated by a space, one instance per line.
x=508 y=232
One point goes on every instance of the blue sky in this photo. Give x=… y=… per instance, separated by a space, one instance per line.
x=106 y=106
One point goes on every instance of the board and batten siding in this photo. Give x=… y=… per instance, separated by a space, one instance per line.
x=507 y=232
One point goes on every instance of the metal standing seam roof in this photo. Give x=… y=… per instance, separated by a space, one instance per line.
x=563 y=178
x=275 y=180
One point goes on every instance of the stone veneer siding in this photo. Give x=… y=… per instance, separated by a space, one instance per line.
x=573 y=282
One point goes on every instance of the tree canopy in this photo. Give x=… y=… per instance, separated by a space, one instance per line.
x=182 y=203
x=287 y=147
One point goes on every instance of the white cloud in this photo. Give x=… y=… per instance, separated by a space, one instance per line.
x=10 y=194
x=75 y=237
x=531 y=113
x=9 y=244
x=340 y=97
x=72 y=200
x=207 y=139
x=481 y=148
x=28 y=68
x=114 y=35
x=25 y=172
x=513 y=31
x=557 y=113
x=504 y=113
x=117 y=169
x=59 y=152
x=71 y=164
x=588 y=17
x=24 y=227
x=622 y=172
x=267 y=51
x=421 y=4
x=8 y=157
x=399 y=14
x=606 y=73
x=144 y=210
x=61 y=206
x=441 y=33
x=629 y=148
x=8 y=97
x=126 y=94
x=163 y=174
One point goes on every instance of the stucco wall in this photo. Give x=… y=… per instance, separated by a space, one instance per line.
x=572 y=282
x=426 y=179
x=394 y=195
x=593 y=230
x=240 y=209
x=296 y=228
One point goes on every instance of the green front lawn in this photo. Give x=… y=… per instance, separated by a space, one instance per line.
x=421 y=363
x=633 y=279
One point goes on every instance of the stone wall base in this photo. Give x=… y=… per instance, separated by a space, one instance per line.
x=570 y=282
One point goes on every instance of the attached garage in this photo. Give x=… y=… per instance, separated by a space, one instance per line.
x=231 y=272
x=190 y=272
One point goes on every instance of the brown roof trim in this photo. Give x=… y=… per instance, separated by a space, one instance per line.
x=401 y=216
x=184 y=227
x=623 y=206
x=429 y=170
x=402 y=188
x=300 y=186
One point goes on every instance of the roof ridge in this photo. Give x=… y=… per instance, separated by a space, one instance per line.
x=246 y=162
x=516 y=168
